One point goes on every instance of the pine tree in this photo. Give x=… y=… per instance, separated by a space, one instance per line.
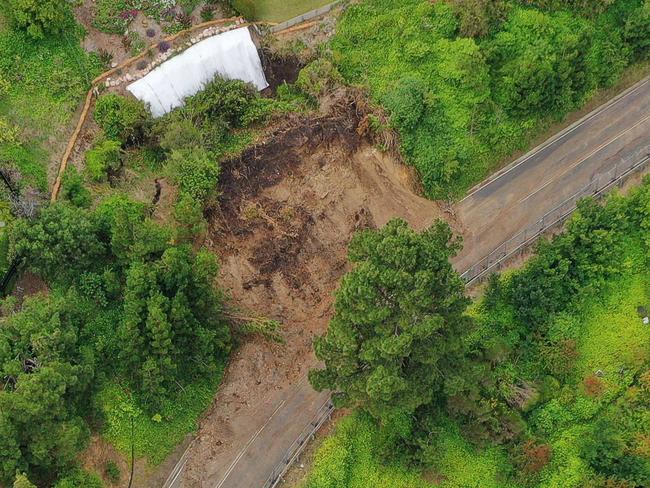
x=398 y=324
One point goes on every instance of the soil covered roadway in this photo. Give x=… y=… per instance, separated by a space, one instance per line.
x=288 y=209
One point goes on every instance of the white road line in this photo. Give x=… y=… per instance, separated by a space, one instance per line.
x=250 y=441
x=256 y=435
x=178 y=473
x=603 y=108
x=580 y=161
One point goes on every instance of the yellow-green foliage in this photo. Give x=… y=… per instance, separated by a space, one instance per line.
x=154 y=436
x=613 y=335
x=471 y=102
x=347 y=459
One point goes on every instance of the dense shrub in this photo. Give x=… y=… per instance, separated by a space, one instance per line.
x=73 y=188
x=102 y=158
x=462 y=105
x=588 y=253
x=318 y=77
x=38 y=17
x=79 y=478
x=124 y=119
x=195 y=171
x=179 y=132
x=538 y=63
x=228 y=100
x=60 y=243
x=190 y=222
x=112 y=471
x=636 y=30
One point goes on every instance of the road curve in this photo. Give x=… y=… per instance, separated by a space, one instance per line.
x=496 y=210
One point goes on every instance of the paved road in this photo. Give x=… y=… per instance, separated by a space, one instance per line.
x=509 y=201
x=522 y=193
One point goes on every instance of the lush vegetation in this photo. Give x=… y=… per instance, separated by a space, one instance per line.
x=554 y=366
x=468 y=82
x=38 y=18
x=42 y=82
x=125 y=306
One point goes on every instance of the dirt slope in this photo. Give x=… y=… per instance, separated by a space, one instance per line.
x=288 y=210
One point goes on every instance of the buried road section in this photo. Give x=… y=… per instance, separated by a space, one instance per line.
x=288 y=209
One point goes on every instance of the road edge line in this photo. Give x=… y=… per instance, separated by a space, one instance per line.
x=553 y=139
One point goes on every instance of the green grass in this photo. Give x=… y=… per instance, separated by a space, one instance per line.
x=281 y=10
x=614 y=336
x=463 y=466
x=44 y=84
x=608 y=331
x=154 y=436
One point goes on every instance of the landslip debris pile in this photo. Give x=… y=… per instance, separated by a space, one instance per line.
x=231 y=55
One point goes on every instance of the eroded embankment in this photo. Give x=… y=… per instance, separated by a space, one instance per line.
x=288 y=208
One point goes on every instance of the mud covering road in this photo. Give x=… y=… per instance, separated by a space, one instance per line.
x=288 y=209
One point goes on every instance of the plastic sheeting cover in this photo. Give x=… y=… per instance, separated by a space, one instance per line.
x=231 y=55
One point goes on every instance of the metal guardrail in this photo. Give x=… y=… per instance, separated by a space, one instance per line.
x=323 y=415
x=305 y=17
x=599 y=184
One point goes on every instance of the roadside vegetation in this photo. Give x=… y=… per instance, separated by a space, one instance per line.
x=468 y=83
x=543 y=382
x=130 y=333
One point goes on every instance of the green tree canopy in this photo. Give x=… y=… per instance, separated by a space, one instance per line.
x=38 y=17
x=47 y=373
x=398 y=325
x=172 y=331
x=61 y=242
x=538 y=62
x=637 y=30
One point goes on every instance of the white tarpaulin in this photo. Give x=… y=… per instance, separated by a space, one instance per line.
x=231 y=55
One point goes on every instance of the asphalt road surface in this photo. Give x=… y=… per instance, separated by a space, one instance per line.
x=507 y=202
x=522 y=193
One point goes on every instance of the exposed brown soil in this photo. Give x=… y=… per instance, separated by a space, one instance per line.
x=96 y=40
x=29 y=284
x=279 y=69
x=289 y=206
